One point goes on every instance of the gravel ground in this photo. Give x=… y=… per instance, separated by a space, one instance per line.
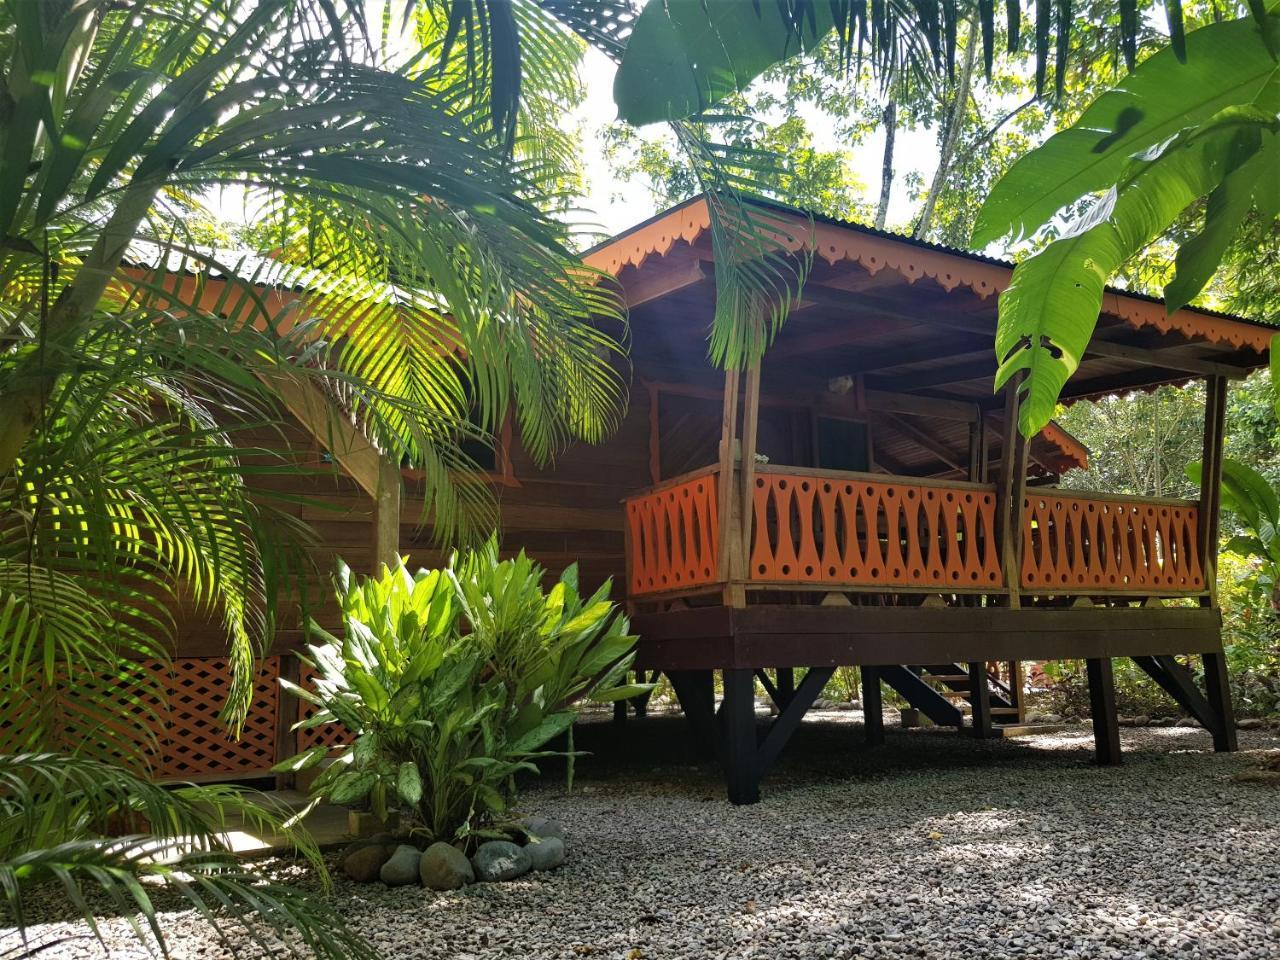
x=933 y=846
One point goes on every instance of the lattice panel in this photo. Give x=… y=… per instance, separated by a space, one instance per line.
x=327 y=734
x=870 y=532
x=195 y=744
x=1091 y=544
x=674 y=535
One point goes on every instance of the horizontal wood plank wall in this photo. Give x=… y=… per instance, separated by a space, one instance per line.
x=569 y=511
x=1086 y=543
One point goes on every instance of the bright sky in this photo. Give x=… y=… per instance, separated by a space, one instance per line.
x=613 y=205
x=616 y=205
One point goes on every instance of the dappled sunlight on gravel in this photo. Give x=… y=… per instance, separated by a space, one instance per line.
x=933 y=846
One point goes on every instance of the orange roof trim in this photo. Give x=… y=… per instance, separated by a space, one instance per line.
x=836 y=243
x=1072 y=449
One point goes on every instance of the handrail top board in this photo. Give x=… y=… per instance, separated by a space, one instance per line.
x=1032 y=492
x=823 y=473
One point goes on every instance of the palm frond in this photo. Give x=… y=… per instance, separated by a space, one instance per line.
x=57 y=817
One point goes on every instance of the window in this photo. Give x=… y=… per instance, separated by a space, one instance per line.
x=843 y=444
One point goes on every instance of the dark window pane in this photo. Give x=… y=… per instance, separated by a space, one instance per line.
x=842 y=444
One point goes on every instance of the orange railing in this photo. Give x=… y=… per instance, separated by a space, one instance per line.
x=827 y=527
x=813 y=528
x=674 y=532
x=1103 y=543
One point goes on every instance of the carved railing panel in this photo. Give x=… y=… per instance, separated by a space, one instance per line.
x=868 y=531
x=674 y=534
x=1095 y=543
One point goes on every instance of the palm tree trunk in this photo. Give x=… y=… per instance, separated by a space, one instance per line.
x=890 y=122
x=23 y=408
x=950 y=133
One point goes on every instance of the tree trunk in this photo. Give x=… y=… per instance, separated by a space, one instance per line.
x=950 y=133
x=890 y=123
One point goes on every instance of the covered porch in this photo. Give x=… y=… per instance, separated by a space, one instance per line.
x=861 y=497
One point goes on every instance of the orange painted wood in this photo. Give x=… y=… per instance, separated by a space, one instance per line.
x=674 y=533
x=1092 y=543
x=194 y=743
x=862 y=532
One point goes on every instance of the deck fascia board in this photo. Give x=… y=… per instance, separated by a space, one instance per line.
x=783 y=636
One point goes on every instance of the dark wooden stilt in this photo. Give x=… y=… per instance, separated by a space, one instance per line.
x=1219 y=689
x=640 y=702
x=1177 y=681
x=619 y=712
x=1102 y=701
x=872 y=707
x=695 y=689
x=780 y=730
x=738 y=732
x=786 y=686
x=980 y=699
x=765 y=681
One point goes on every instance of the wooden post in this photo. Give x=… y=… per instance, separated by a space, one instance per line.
x=872 y=706
x=750 y=426
x=655 y=436
x=386 y=516
x=1011 y=493
x=1102 y=705
x=738 y=730
x=725 y=488
x=1218 y=687
x=1211 y=481
x=286 y=717
x=1217 y=682
x=978 y=449
x=696 y=692
x=786 y=685
x=979 y=699
x=1017 y=693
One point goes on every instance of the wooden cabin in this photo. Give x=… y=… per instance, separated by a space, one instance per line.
x=861 y=497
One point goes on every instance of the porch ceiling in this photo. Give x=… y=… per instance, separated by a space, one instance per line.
x=902 y=316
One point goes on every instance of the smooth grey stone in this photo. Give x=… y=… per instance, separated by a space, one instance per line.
x=546 y=854
x=443 y=866
x=402 y=868
x=363 y=864
x=500 y=860
x=543 y=828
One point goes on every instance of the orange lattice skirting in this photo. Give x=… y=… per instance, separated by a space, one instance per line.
x=195 y=745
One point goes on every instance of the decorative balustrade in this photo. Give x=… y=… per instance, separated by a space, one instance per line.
x=824 y=527
x=1100 y=543
x=674 y=531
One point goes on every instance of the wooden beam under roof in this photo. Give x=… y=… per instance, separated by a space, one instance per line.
x=647 y=285
x=322 y=418
x=1152 y=356
x=925 y=439
x=884 y=359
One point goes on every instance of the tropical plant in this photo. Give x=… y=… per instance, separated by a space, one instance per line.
x=1203 y=125
x=1248 y=495
x=416 y=287
x=100 y=834
x=680 y=59
x=451 y=681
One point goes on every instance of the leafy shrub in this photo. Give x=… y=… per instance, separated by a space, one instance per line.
x=454 y=680
x=1136 y=693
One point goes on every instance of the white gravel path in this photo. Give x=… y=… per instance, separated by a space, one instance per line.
x=932 y=846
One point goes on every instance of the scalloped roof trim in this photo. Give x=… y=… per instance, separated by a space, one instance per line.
x=911 y=260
